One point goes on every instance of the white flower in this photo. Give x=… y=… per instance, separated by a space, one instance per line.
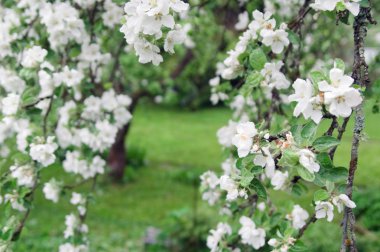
x=264 y=159
x=70 y=77
x=211 y=196
x=72 y=223
x=68 y=247
x=52 y=190
x=77 y=199
x=146 y=20
x=44 y=152
x=10 y=104
x=243 y=22
x=13 y=199
x=279 y=179
x=262 y=21
x=209 y=180
x=308 y=105
x=273 y=77
x=340 y=96
x=324 y=210
x=229 y=167
x=111 y=15
x=261 y=206
x=232 y=188
x=243 y=140
x=217 y=235
x=329 y=5
x=174 y=37
x=32 y=57
x=307 y=160
x=273 y=242
x=325 y=5
x=214 y=81
x=277 y=39
x=226 y=134
x=341 y=201
x=251 y=235
x=25 y=175
x=229 y=185
x=63 y=24
x=298 y=217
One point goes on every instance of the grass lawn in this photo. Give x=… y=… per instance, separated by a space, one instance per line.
x=175 y=141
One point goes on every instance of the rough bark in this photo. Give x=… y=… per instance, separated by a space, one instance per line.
x=360 y=75
x=117 y=158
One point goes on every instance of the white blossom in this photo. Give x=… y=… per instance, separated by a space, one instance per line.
x=52 y=190
x=298 y=217
x=279 y=179
x=243 y=139
x=251 y=235
x=329 y=5
x=264 y=159
x=307 y=104
x=324 y=210
x=217 y=235
x=243 y=22
x=24 y=174
x=34 y=56
x=341 y=201
x=339 y=95
x=10 y=104
x=44 y=152
x=308 y=160
x=226 y=134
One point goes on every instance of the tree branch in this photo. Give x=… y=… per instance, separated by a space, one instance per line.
x=360 y=75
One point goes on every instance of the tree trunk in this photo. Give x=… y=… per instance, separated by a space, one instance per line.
x=117 y=158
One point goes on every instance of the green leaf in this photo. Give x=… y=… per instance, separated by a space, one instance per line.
x=321 y=195
x=325 y=143
x=317 y=77
x=298 y=247
x=246 y=177
x=259 y=188
x=256 y=170
x=257 y=59
x=299 y=189
x=245 y=162
x=289 y=158
x=239 y=164
x=340 y=6
x=365 y=3
x=335 y=174
x=324 y=160
x=305 y=174
x=30 y=95
x=330 y=186
x=308 y=132
x=296 y=132
x=338 y=63
x=294 y=38
x=253 y=80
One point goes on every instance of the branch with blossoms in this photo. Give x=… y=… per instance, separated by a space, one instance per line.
x=281 y=153
x=48 y=76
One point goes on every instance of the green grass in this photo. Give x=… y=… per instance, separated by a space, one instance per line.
x=176 y=141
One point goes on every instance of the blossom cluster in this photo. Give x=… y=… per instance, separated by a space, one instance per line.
x=262 y=28
x=146 y=23
x=54 y=105
x=335 y=94
x=287 y=157
x=352 y=6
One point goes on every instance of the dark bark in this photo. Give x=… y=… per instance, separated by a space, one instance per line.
x=117 y=158
x=360 y=75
